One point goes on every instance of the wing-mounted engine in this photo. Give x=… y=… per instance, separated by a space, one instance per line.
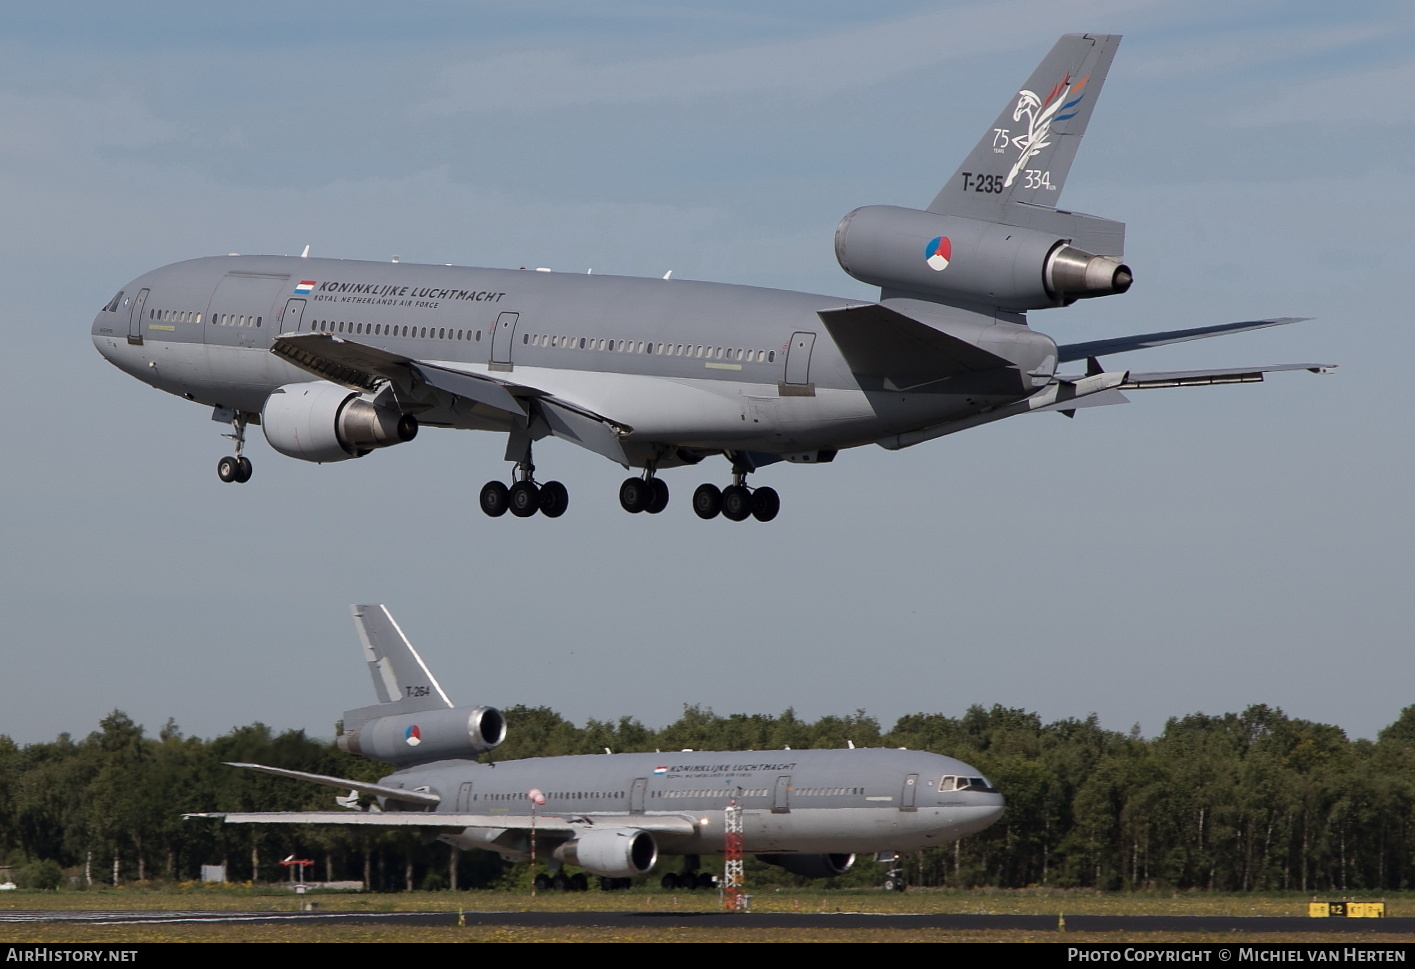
x=418 y=738
x=952 y=259
x=612 y=852
x=811 y=866
x=322 y=422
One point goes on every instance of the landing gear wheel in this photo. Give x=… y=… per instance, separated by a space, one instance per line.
x=579 y=882
x=765 y=504
x=660 y=496
x=669 y=882
x=524 y=498
x=707 y=501
x=243 y=470
x=893 y=884
x=495 y=499
x=705 y=879
x=736 y=503
x=542 y=883
x=559 y=882
x=554 y=499
x=635 y=494
x=228 y=469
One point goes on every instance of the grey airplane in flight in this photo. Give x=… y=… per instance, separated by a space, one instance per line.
x=808 y=811
x=336 y=358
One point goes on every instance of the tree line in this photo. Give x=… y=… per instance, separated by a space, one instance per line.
x=1234 y=802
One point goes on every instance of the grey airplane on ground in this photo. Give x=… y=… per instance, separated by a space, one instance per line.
x=809 y=811
x=335 y=358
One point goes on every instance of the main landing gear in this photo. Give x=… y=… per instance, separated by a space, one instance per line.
x=648 y=493
x=238 y=468
x=736 y=502
x=524 y=498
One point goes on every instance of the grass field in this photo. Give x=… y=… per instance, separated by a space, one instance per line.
x=992 y=902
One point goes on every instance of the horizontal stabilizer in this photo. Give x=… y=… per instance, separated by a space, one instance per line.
x=1143 y=341
x=877 y=341
x=344 y=784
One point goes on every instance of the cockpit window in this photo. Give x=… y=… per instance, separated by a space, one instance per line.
x=956 y=782
x=112 y=306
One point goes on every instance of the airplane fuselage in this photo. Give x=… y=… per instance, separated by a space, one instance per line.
x=679 y=363
x=794 y=801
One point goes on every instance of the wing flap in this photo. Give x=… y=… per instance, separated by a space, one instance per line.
x=1137 y=380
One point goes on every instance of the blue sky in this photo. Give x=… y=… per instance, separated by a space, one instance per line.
x=1196 y=550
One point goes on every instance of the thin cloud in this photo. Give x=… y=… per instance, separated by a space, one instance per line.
x=810 y=68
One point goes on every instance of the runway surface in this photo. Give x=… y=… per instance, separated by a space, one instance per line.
x=855 y=920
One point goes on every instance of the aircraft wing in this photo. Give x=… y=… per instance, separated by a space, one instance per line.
x=1138 y=380
x=879 y=341
x=344 y=784
x=1143 y=341
x=359 y=367
x=557 y=823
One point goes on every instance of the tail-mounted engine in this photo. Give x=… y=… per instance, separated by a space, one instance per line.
x=423 y=737
x=907 y=252
x=324 y=422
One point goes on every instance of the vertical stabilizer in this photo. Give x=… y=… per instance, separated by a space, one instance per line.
x=401 y=679
x=1025 y=156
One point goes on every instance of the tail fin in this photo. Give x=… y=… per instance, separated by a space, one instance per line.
x=401 y=679
x=1025 y=157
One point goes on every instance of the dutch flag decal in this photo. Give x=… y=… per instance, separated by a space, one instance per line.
x=305 y=287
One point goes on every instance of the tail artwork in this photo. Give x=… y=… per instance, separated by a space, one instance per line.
x=1025 y=157
x=808 y=811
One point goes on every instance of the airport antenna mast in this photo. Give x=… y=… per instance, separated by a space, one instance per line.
x=734 y=877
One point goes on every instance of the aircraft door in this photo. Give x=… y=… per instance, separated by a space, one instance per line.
x=292 y=316
x=135 y=319
x=464 y=792
x=781 y=796
x=502 y=336
x=636 y=795
x=908 y=798
x=798 y=365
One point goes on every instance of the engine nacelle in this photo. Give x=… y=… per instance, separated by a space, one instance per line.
x=811 y=866
x=423 y=737
x=613 y=852
x=320 y=421
x=909 y=252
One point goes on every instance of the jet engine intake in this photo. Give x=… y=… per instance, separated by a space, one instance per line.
x=322 y=422
x=811 y=866
x=423 y=737
x=908 y=252
x=612 y=852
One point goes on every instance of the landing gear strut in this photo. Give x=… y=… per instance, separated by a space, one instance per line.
x=238 y=468
x=524 y=498
x=736 y=502
x=649 y=493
